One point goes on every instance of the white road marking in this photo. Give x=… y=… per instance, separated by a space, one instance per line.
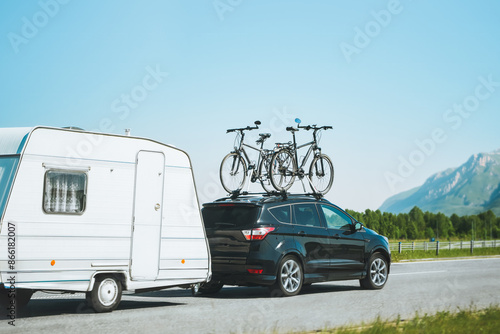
x=458 y=259
x=420 y=272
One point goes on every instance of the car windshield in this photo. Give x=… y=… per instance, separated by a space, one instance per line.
x=8 y=166
x=229 y=216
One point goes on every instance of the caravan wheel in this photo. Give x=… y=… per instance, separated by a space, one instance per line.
x=106 y=294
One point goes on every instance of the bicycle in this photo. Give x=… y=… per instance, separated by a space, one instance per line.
x=284 y=167
x=234 y=170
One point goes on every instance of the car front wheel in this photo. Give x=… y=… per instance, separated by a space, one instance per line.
x=378 y=272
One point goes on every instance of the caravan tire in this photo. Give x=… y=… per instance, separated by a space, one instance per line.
x=21 y=297
x=106 y=294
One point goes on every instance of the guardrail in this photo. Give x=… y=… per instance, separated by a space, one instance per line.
x=442 y=245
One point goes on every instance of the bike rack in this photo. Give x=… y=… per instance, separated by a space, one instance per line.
x=283 y=194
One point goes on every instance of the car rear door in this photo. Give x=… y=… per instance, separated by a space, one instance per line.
x=312 y=239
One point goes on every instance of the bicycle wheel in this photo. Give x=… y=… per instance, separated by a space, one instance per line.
x=282 y=171
x=321 y=174
x=233 y=172
x=264 y=177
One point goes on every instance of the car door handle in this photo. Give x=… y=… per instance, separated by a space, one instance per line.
x=302 y=233
x=336 y=236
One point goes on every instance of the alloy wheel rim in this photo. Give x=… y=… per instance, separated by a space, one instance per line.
x=290 y=276
x=378 y=272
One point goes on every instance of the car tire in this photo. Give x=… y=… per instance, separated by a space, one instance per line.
x=377 y=273
x=289 y=278
x=106 y=294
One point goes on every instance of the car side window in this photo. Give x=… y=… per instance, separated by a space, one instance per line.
x=335 y=218
x=281 y=213
x=306 y=214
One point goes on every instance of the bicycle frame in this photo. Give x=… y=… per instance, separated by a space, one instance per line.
x=241 y=149
x=313 y=146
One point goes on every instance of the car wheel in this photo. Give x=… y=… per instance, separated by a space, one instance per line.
x=378 y=272
x=106 y=294
x=289 y=279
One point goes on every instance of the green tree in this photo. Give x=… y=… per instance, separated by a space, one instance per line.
x=417 y=218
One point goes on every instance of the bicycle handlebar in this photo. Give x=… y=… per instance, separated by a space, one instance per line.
x=314 y=127
x=289 y=128
x=248 y=128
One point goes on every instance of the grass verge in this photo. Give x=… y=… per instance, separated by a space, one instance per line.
x=464 y=321
x=443 y=253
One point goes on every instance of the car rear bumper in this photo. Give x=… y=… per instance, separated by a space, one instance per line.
x=237 y=274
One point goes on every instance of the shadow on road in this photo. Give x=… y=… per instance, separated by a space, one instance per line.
x=41 y=307
x=235 y=292
x=48 y=307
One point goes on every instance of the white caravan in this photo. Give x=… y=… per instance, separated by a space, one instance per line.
x=96 y=213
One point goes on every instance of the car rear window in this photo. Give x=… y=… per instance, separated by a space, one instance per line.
x=281 y=213
x=230 y=216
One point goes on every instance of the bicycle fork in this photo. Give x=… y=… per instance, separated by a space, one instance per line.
x=236 y=160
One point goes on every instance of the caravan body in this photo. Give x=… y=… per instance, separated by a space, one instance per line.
x=80 y=208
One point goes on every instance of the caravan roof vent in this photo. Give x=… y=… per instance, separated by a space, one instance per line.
x=73 y=128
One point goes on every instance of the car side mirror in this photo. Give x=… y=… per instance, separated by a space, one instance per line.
x=358 y=226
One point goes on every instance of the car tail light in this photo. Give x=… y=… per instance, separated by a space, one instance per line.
x=257 y=233
x=255 y=271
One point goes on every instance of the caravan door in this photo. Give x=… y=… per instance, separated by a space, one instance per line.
x=148 y=199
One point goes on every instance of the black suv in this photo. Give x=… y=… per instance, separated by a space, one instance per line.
x=286 y=242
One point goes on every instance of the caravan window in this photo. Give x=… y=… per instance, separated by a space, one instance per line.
x=64 y=192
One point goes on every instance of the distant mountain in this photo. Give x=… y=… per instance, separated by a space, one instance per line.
x=472 y=188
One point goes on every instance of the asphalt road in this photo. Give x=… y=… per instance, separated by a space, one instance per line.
x=423 y=287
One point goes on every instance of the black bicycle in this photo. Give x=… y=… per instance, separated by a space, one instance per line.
x=236 y=165
x=284 y=168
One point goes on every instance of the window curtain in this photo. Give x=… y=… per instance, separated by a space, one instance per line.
x=64 y=192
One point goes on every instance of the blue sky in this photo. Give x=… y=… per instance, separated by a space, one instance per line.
x=410 y=87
